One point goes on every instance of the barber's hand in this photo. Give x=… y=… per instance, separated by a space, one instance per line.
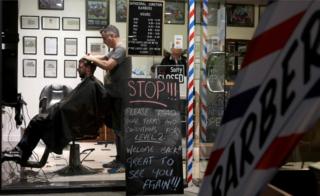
x=88 y=57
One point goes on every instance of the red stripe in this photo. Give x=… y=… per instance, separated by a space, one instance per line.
x=271 y=40
x=190 y=131
x=191 y=36
x=189 y=178
x=214 y=158
x=190 y=107
x=190 y=84
x=190 y=154
x=191 y=60
x=191 y=13
x=278 y=151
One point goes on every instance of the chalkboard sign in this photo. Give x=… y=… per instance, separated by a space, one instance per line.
x=174 y=72
x=152 y=125
x=145 y=23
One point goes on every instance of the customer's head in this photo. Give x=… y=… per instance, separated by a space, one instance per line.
x=176 y=52
x=86 y=68
x=110 y=36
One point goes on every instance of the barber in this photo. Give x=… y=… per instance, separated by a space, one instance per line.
x=118 y=67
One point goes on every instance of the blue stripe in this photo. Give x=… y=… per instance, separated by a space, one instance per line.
x=238 y=105
x=190 y=142
x=191 y=94
x=190 y=166
x=190 y=72
x=191 y=48
x=191 y=24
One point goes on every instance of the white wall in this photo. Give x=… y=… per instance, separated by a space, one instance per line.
x=31 y=87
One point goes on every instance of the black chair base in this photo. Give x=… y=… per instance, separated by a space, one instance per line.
x=79 y=170
x=75 y=167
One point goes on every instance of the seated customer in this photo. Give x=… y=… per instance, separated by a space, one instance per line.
x=79 y=114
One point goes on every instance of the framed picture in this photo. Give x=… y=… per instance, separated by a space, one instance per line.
x=51 y=46
x=97 y=14
x=29 y=22
x=50 y=68
x=95 y=46
x=50 y=23
x=70 y=68
x=174 y=12
x=70 y=24
x=51 y=4
x=121 y=10
x=29 y=45
x=70 y=46
x=29 y=68
x=240 y=15
x=212 y=13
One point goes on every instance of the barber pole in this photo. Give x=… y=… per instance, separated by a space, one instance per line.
x=276 y=100
x=203 y=89
x=190 y=119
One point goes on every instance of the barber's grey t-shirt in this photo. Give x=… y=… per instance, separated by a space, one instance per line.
x=114 y=79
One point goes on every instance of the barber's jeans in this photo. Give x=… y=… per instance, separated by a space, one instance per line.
x=120 y=146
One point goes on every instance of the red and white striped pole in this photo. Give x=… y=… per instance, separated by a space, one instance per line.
x=190 y=120
x=203 y=88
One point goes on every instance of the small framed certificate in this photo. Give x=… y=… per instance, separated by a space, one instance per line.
x=29 y=68
x=50 y=68
x=29 y=45
x=51 y=46
x=95 y=46
x=70 y=24
x=70 y=46
x=50 y=23
x=70 y=68
x=29 y=22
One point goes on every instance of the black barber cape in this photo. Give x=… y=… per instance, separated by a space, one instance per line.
x=79 y=115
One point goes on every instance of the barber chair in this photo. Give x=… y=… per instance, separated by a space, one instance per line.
x=50 y=95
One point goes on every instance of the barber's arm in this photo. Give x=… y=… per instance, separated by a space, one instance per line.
x=102 y=61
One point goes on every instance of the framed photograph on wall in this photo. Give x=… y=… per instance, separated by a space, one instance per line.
x=240 y=15
x=70 y=46
x=174 y=12
x=29 y=22
x=97 y=14
x=70 y=68
x=29 y=45
x=95 y=46
x=51 y=46
x=121 y=10
x=71 y=24
x=51 y=4
x=50 y=68
x=212 y=13
x=29 y=68
x=50 y=23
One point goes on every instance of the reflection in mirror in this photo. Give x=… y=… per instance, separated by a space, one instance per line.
x=215 y=71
